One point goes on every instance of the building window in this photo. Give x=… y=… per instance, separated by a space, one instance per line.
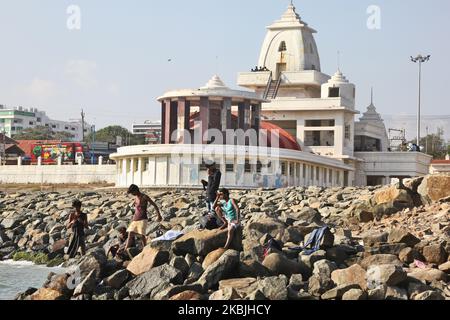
x=347 y=132
x=53 y=126
x=66 y=128
x=38 y=120
x=319 y=138
x=31 y=123
x=73 y=129
x=313 y=67
x=46 y=125
x=319 y=123
x=230 y=167
x=333 y=93
x=282 y=47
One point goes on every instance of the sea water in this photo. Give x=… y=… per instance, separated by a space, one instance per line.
x=17 y=277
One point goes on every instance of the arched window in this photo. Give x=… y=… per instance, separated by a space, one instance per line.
x=282 y=47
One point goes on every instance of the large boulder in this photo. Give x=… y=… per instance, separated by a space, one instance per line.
x=187 y=296
x=96 y=261
x=385 y=274
x=157 y=279
x=402 y=235
x=212 y=257
x=87 y=286
x=149 y=258
x=354 y=295
x=380 y=259
x=225 y=267
x=434 y=188
x=225 y=294
x=350 y=276
x=46 y=294
x=307 y=214
x=202 y=242
x=278 y=264
x=243 y=286
x=261 y=224
x=396 y=293
x=435 y=254
x=117 y=280
x=274 y=288
x=428 y=275
x=393 y=197
x=338 y=292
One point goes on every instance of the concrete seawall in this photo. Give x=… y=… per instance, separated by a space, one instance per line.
x=58 y=174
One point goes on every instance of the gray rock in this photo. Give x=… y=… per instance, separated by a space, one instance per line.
x=354 y=295
x=274 y=288
x=338 y=292
x=224 y=267
x=395 y=293
x=278 y=264
x=385 y=274
x=87 y=286
x=180 y=264
x=403 y=236
x=429 y=296
x=118 y=279
x=150 y=283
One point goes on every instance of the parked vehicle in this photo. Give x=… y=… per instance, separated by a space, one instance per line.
x=68 y=151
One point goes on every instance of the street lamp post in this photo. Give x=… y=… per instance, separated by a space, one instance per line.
x=419 y=59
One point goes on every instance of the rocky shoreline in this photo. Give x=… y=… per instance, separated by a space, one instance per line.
x=382 y=243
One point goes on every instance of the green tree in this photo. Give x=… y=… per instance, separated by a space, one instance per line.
x=110 y=134
x=434 y=144
x=42 y=133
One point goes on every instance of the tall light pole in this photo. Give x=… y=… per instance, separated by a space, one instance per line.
x=419 y=59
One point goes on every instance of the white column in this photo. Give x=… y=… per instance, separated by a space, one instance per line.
x=80 y=161
x=139 y=171
x=132 y=170
x=301 y=132
x=100 y=161
x=60 y=160
x=39 y=161
x=19 y=161
x=339 y=135
x=124 y=172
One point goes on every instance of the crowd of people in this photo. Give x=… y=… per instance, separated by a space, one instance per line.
x=222 y=212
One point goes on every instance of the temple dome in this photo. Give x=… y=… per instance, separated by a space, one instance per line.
x=289 y=45
x=215 y=83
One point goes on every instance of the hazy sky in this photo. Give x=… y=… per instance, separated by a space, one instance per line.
x=117 y=64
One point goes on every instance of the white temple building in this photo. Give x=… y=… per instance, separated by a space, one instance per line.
x=312 y=113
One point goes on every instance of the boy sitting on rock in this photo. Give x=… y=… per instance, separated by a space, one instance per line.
x=228 y=211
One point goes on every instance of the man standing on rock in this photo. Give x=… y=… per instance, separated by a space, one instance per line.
x=78 y=221
x=140 y=220
x=212 y=186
